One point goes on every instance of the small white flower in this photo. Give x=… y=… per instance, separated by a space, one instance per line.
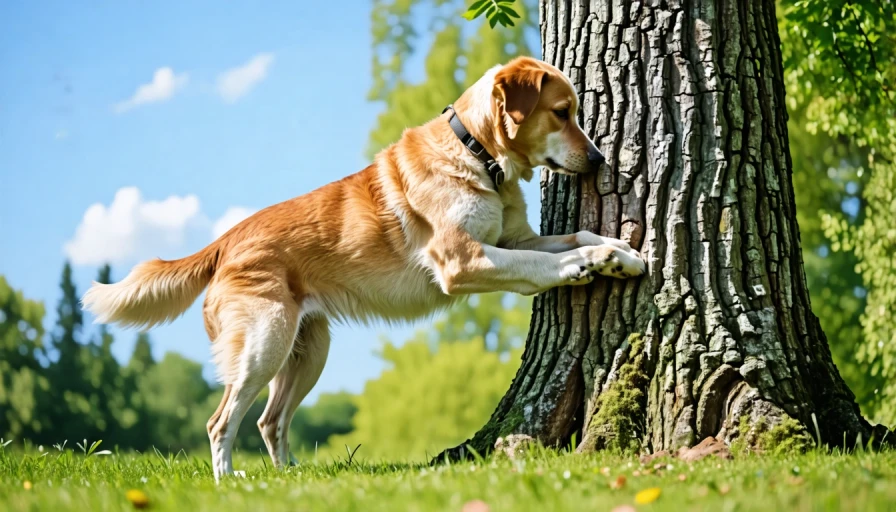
x=566 y=475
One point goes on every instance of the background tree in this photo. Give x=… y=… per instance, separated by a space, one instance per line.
x=172 y=391
x=498 y=320
x=846 y=53
x=141 y=405
x=136 y=419
x=71 y=410
x=105 y=383
x=456 y=55
x=315 y=426
x=22 y=379
x=437 y=388
x=825 y=180
x=397 y=421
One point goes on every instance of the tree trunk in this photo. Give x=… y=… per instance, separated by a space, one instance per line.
x=686 y=100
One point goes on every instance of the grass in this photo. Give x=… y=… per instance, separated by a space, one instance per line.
x=545 y=480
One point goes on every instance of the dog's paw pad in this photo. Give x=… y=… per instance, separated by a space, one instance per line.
x=579 y=274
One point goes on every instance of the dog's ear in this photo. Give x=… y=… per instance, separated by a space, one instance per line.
x=517 y=89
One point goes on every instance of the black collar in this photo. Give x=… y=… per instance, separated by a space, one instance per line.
x=491 y=166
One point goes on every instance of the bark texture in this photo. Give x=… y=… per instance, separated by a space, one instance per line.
x=686 y=100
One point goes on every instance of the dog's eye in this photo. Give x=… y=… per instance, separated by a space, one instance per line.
x=562 y=113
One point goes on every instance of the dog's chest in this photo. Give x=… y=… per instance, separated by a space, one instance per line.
x=481 y=217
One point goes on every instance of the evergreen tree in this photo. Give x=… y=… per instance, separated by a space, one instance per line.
x=71 y=409
x=107 y=382
x=141 y=360
x=137 y=419
x=69 y=321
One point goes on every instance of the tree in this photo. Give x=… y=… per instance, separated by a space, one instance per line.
x=499 y=320
x=424 y=402
x=22 y=379
x=72 y=413
x=847 y=53
x=136 y=419
x=827 y=179
x=314 y=425
x=455 y=60
x=171 y=390
x=69 y=321
x=105 y=383
x=687 y=103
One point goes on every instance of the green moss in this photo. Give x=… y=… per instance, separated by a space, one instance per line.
x=787 y=437
x=617 y=423
x=742 y=444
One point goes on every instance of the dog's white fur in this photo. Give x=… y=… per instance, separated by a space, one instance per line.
x=407 y=236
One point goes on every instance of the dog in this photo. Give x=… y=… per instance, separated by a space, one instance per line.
x=439 y=215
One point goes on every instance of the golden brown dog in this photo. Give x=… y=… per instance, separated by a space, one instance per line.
x=422 y=226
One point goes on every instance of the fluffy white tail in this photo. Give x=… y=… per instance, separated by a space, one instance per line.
x=155 y=292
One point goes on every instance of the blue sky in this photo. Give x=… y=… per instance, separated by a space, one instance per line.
x=132 y=130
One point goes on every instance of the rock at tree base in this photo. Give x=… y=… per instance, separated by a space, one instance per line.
x=513 y=445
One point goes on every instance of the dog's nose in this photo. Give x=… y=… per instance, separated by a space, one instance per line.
x=595 y=158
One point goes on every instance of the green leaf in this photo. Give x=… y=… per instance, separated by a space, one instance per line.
x=508 y=10
x=477 y=9
x=504 y=20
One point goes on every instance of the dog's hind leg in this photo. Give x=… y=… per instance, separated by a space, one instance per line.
x=290 y=386
x=256 y=338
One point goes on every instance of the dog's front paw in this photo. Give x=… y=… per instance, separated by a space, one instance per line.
x=611 y=261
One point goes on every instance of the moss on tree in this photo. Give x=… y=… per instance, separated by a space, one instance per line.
x=617 y=423
x=789 y=436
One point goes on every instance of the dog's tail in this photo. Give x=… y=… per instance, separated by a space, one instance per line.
x=155 y=292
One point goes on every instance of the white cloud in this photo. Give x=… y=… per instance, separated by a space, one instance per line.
x=133 y=228
x=233 y=216
x=236 y=82
x=130 y=226
x=61 y=135
x=163 y=86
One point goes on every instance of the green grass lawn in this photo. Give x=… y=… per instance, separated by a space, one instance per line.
x=543 y=481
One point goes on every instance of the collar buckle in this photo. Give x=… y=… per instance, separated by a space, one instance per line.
x=496 y=173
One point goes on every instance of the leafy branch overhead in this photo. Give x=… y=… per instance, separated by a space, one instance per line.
x=496 y=11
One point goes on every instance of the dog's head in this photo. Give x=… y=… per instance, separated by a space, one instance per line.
x=536 y=114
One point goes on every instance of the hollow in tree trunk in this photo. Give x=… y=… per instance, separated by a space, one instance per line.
x=686 y=100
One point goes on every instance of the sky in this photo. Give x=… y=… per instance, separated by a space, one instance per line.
x=134 y=130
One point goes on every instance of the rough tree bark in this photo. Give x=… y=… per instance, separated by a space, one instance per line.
x=686 y=100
